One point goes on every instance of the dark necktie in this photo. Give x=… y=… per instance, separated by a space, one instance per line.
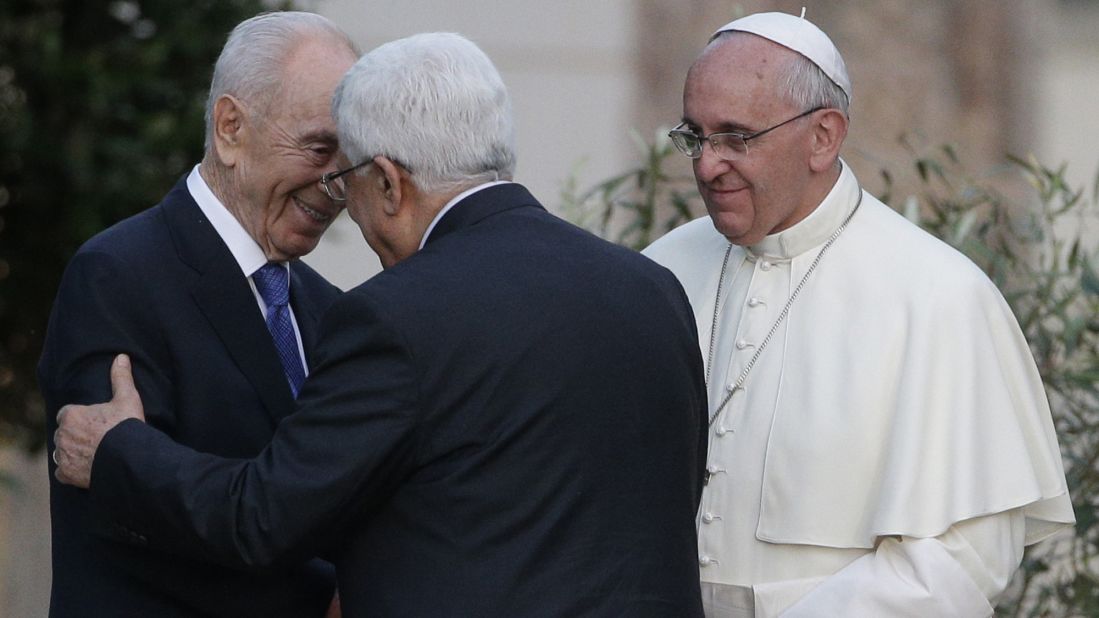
x=273 y=284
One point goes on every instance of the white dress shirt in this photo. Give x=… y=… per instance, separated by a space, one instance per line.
x=245 y=249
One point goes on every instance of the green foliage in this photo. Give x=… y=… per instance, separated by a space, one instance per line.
x=101 y=111
x=1034 y=248
x=627 y=208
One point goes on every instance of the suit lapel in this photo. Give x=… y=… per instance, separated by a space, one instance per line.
x=223 y=295
x=482 y=204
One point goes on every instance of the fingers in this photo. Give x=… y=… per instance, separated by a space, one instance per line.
x=126 y=397
x=122 y=378
x=72 y=455
x=80 y=429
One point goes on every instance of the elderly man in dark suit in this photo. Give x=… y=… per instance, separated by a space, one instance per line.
x=183 y=288
x=508 y=421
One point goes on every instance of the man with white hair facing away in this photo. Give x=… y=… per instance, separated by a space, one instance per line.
x=494 y=425
x=880 y=442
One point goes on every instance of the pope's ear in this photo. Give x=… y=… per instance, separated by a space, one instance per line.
x=229 y=123
x=828 y=131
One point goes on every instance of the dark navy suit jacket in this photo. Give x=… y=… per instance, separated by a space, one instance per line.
x=510 y=422
x=164 y=288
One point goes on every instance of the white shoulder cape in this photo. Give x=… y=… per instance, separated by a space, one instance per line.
x=909 y=400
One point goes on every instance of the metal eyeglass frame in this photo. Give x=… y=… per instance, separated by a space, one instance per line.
x=327 y=186
x=726 y=141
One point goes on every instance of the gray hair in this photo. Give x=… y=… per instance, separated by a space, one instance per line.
x=433 y=103
x=802 y=82
x=250 y=66
x=808 y=86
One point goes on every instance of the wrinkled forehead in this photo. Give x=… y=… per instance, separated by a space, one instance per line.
x=309 y=78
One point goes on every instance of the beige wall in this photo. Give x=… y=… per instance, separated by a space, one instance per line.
x=24 y=535
x=1067 y=114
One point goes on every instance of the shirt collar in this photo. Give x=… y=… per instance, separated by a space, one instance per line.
x=815 y=229
x=245 y=249
x=454 y=201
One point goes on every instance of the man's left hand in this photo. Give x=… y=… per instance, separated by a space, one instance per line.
x=80 y=429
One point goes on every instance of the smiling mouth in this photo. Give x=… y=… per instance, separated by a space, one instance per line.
x=726 y=190
x=316 y=215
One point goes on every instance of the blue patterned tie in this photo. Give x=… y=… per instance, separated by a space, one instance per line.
x=273 y=284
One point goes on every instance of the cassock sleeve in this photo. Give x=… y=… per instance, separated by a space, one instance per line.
x=343 y=451
x=959 y=573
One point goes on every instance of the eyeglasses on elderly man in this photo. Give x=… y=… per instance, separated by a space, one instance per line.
x=728 y=146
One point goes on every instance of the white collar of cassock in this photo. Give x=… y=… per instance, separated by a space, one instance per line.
x=814 y=230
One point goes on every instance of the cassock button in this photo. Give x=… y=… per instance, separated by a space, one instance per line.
x=707 y=518
x=754 y=302
x=721 y=431
x=765 y=265
x=740 y=345
x=705 y=561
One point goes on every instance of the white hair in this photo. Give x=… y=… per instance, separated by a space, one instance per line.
x=808 y=86
x=435 y=104
x=251 y=64
x=802 y=81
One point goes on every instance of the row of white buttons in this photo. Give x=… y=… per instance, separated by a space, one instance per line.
x=708 y=517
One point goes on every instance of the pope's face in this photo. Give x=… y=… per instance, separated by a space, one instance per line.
x=281 y=203
x=734 y=87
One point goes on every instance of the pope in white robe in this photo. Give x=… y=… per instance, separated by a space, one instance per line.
x=881 y=443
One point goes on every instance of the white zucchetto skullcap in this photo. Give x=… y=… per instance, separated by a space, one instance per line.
x=800 y=35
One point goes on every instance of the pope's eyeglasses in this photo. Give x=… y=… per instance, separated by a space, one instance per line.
x=728 y=146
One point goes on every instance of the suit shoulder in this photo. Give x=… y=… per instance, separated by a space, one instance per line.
x=135 y=238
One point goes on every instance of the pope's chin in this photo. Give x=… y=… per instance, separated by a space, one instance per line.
x=730 y=224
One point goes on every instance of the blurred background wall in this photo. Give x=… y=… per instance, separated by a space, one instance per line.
x=990 y=76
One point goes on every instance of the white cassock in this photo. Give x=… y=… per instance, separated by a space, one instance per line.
x=892 y=450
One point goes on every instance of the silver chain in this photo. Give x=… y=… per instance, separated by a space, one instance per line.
x=739 y=385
